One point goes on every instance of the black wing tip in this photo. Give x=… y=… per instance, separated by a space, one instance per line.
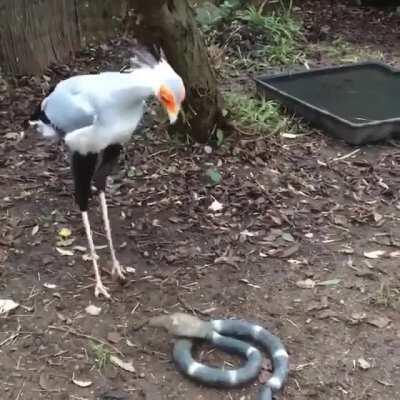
x=38 y=113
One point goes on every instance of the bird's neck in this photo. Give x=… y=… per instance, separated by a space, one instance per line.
x=145 y=81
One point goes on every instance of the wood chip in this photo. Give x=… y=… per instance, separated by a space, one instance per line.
x=114 y=337
x=380 y=322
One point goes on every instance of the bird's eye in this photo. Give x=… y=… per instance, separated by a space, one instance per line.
x=166 y=99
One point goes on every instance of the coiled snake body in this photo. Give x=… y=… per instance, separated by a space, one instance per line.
x=227 y=335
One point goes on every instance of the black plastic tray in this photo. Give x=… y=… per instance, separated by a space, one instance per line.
x=359 y=103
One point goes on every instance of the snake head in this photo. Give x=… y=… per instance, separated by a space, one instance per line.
x=182 y=325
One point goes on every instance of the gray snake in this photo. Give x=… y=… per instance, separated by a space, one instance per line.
x=227 y=335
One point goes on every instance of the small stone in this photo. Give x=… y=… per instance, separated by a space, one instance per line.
x=363 y=364
x=208 y=149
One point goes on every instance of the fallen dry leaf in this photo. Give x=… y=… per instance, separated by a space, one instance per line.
x=248 y=233
x=246 y=281
x=12 y=135
x=35 y=230
x=289 y=251
x=289 y=135
x=7 y=305
x=306 y=284
x=380 y=322
x=216 y=206
x=377 y=217
x=49 y=285
x=363 y=364
x=288 y=237
x=93 y=310
x=114 y=337
x=340 y=220
x=65 y=243
x=127 y=366
x=88 y=257
x=64 y=252
x=356 y=318
x=331 y=282
x=82 y=384
x=80 y=248
x=44 y=380
x=230 y=260
x=325 y=314
x=374 y=254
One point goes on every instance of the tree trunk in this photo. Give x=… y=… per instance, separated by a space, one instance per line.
x=172 y=24
x=99 y=20
x=35 y=33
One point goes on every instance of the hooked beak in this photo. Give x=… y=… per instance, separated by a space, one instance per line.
x=167 y=99
x=173 y=116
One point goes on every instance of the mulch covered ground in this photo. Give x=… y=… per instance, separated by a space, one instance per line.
x=307 y=243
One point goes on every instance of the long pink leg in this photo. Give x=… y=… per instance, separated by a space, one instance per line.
x=100 y=288
x=117 y=268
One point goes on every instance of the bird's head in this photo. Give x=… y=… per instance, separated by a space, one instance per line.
x=171 y=91
x=167 y=85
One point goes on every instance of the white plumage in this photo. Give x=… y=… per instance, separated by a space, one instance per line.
x=95 y=115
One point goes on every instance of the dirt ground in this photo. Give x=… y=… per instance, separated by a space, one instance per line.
x=307 y=244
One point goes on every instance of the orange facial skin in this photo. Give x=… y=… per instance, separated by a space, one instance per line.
x=168 y=100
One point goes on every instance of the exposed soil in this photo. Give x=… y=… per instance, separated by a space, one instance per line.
x=360 y=25
x=295 y=209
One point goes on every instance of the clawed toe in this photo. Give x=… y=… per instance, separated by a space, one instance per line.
x=118 y=271
x=100 y=289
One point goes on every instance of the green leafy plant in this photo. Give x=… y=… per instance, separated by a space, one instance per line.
x=209 y=15
x=281 y=32
x=258 y=115
x=101 y=355
x=254 y=113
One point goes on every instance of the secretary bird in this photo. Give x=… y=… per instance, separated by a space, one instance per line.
x=95 y=115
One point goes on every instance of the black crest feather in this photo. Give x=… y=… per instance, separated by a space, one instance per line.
x=146 y=55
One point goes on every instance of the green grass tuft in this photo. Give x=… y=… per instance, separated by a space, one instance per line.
x=255 y=114
x=101 y=355
x=281 y=32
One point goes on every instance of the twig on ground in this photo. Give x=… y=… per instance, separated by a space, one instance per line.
x=84 y=336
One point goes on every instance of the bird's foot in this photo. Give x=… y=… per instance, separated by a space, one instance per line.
x=100 y=289
x=118 y=271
